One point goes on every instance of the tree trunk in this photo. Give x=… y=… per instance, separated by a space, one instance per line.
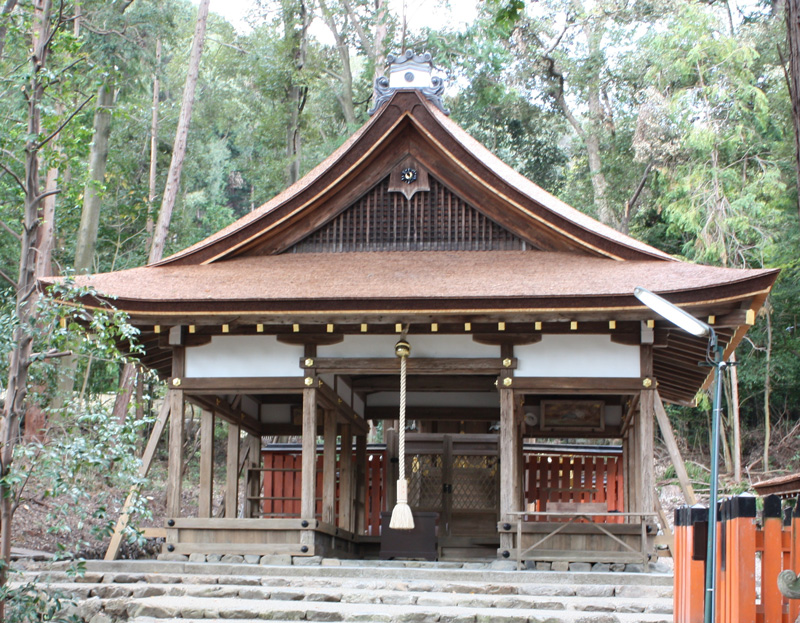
x=345 y=78
x=92 y=196
x=181 y=134
x=767 y=388
x=596 y=117
x=793 y=79
x=151 y=196
x=7 y=8
x=734 y=410
x=296 y=34
x=27 y=292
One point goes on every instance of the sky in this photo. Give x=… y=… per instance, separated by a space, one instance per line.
x=419 y=13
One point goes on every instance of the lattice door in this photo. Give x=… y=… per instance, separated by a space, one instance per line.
x=462 y=488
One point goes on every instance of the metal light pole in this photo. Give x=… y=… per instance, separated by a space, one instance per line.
x=714 y=357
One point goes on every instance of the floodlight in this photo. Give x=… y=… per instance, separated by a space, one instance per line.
x=671 y=312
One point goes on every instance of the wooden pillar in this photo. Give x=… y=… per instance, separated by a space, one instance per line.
x=329 y=469
x=206 y=498
x=519 y=426
x=644 y=433
x=392 y=468
x=627 y=474
x=647 y=499
x=346 y=488
x=361 y=484
x=253 y=486
x=309 y=462
x=232 y=473
x=176 y=433
x=508 y=461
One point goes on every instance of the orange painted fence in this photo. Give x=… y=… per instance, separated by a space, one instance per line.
x=574 y=475
x=554 y=473
x=750 y=555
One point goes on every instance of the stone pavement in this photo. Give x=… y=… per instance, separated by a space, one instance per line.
x=358 y=591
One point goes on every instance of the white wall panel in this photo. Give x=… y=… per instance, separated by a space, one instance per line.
x=243 y=356
x=578 y=356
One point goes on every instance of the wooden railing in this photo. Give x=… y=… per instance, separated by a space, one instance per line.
x=551 y=473
x=742 y=543
x=574 y=475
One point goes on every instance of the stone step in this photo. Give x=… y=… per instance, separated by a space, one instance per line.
x=438 y=572
x=150 y=591
x=597 y=597
x=174 y=584
x=160 y=608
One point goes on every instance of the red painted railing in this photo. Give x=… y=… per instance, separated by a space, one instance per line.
x=594 y=476
x=745 y=549
x=574 y=476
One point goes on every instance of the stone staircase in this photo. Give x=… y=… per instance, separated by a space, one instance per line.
x=365 y=591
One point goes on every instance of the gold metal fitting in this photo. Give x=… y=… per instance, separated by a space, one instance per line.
x=506 y=363
x=647 y=382
x=309 y=362
x=176 y=382
x=507 y=381
x=402 y=348
x=309 y=381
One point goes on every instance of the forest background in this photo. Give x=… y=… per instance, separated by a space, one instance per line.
x=669 y=120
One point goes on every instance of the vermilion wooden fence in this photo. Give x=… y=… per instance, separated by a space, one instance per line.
x=572 y=474
x=282 y=483
x=744 y=594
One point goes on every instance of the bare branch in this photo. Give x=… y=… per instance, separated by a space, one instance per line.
x=16 y=177
x=66 y=121
x=9 y=279
x=10 y=231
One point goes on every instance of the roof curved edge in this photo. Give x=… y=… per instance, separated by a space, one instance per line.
x=492 y=163
x=537 y=193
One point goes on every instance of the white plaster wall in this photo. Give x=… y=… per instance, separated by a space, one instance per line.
x=577 y=356
x=455 y=346
x=436 y=399
x=243 y=356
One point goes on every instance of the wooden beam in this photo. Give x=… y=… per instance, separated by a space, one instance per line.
x=425 y=383
x=147 y=461
x=674 y=452
x=336 y=403
x=645 y=435
x=477 y=414
x=361 y=484
x=633 y=405
x=205 y=500
x=309 y=459
x=226 y=412
x=346 y=488
x=507 y=463
x=329 y=468
x=236 y=385
x=386 y=365
x=175 y=465
x=232 y=473
x=253 y=476
x=561 y=385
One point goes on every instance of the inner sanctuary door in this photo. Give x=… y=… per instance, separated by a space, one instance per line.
x=458 y=477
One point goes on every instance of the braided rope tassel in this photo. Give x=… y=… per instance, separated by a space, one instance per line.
x=402 y=519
